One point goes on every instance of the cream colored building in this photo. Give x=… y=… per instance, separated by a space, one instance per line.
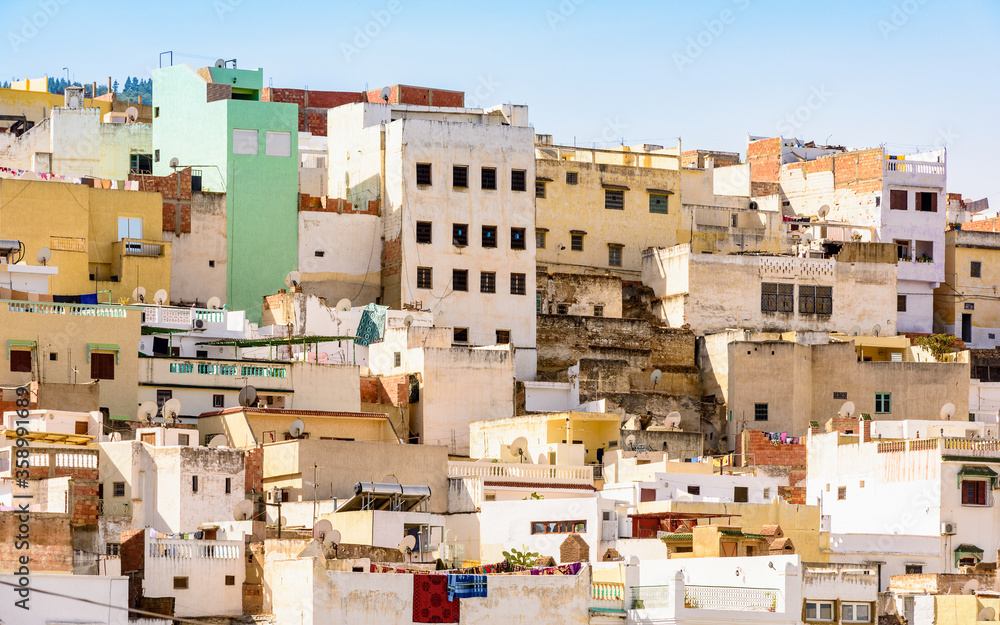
x=571 y=438
x=249 y=427
x=966 y=304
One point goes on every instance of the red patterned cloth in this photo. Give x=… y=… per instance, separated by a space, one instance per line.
x=430 y=600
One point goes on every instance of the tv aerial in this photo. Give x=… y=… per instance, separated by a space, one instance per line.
x=655 y=376
x=147 y=410
x=296 y=428
x=160 y=298
x=408 y=321
x=385 y=93
x=220 y=63
x=321 y=528
x=518 y=447
x=175 y=163
x=172 y=410
x=248 y=396
x=214 y=303
x=243 y=510
x=407 y=545
x=876 y=329
x=293 y=279
x=856 y=331
x=673 y=420
x=139 y=295
x=132 y=114
x=824 y=210
x=43 y=256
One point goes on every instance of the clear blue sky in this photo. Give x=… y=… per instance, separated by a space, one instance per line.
x=904 y=73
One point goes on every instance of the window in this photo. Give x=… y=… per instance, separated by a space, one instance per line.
x=397 y=359
x=487 y=282
x=777 y=297
x=538 y=302
x=975 y=269
x=694 y=490
x=576 y=242
x=898 y=200
x=503 y=337
x=927 y=201
x=741 y=494
x=424 y=277
x=517 y=241
x=489 y=236
x=539 y=189
x=562 y=309
x=55 y=355
x=598 y=311
x=760 y=412
x=118 y=489
x=900 y=303
x=819 y=610
x=185 y=440
x=902 y=250
x=614 y=199
x=129 y=228
x=424 y=174
x=102 y=366
x=163 y=396
x=319 y=253
x=973 y=492
x=424 y=230
x=657 y=203
x=841 y=493
x=180 y=583
x=194 y=483
x=218 y=401
x=141 y=163
x=460 y=335
x=734 y=220
x=855 y=613
x=572 y=177
x=914 y=569
x=559 y=527
x=518 y=180
x=113 y=549
x=460 y=234
x=460 y=279
x=460 y=177
x=20 y=361
x=815 y=300
x=277 y=143
x=211 y=263
x=767 y=493
x=229 y=485
x=489 y=178
x=517 y=283
x=883 y=403
x=156 y=156
x=614 y=255
x=245 y=142
x=156 y=111
x=540 y=239
x=230 y=580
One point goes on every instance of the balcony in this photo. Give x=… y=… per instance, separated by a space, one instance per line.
x=215 y=322
x=607 y=598
x=138 y=247
x=514 y=472
x=84 y=310
x=730 y=598
x=963 y=447
x=914 y=173
x=649 y=597
x=177 y=549
x=205 y=373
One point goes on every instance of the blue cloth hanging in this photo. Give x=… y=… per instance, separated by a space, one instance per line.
x=371 y=328
x=465 y=586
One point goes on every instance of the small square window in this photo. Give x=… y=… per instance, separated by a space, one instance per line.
x=883 y=403
x=503 y=337
x=539 y=240
x=460 y=279
x=218 y=400
x=518 y=283
x=615 y=255
x=245 y=142
x=424 y=174
x=185 y=440
x=118 y=489
x=277 y=143
x=598 y=311
x=319 y=253
x=55 y=355
x=180 y=583
x=975 y=269
x=156 y=156
x=489 y=178
x=20 y=361
x=517 y=241
x=424 y=279
x=424 y=230
x=113 y=549
x=562 y=309
x=576 y=242
x=694 y=490
x=460 y=335
x=397 y=359
x=855 y=613
x=460 y=176
x=487 y=282
x=914 y=569
x=156 y=111
x=489 y=236
x=518 y=180
x=841 y=493
x=230 y=580
x=540 y=189
x=819 y=611
x=614 y=199
x=658 y=203
x=840 y=394
x=760 y=412
x=900 y=303
x=460 y=234
x=572 y=177
x=211 y=263
x=741 y=494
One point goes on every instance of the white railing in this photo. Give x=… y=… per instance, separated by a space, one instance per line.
x=38 y=460
x=68 y=309
x=514 y=472
x=731 y=598
x=192 y=549
x=649 y=597
x=173 y=315
x=211 y=316
x=78 y=460
x=914 y=167
x=976 y=447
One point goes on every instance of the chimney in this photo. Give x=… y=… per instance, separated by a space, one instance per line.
x=111 y=96
x=814 y=427
x=865 y=425
x=140 y=99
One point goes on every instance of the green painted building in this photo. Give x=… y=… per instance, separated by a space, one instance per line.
x=212 y=120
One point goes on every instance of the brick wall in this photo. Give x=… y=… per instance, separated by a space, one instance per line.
x=82 y=486
x=392 y=256
x=160 y=605
x=393 y=390
x=764 y=157
x=574 y=549
x=50 y=538
x=254 y=474
x=334 y=205
x=763 y=452
x=253 y=598
x=166 y=186
x=985 y=225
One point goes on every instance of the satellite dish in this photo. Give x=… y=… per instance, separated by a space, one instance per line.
x=655 y=376
x=282 y=521
x=248 y=396
x=408 y=321
x=630 y=442
x=633 y=561
x=147 y=410
x=172 y=409
x=986 y=614
x=543 y=458
x=296 y=428
x=876 y=329
x=856 y=331
x=214 y=303
x=847 y=410
x=948 y=411
x=294 y=278
x=243 y=510
x=139 y=295
x=824 y=210
x=519 y=447
x=132 y=113
x=332 y=538
x=673 y=420
x=160 y=298
x=219 y=440
x=220 y=62
x=807 y=237
x=174 y=163
x=407 y=544
x=385 y=93
x=970 y=588
x=116 y=437
x=43 y=256
x=344 y=305
x=321 y=528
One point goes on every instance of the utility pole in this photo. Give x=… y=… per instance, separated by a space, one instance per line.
x=315 y=467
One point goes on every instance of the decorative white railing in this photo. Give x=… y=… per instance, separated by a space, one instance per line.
x=210 y=316
x=78 y=460
x=607 y=597
x=914 y=167
x=38 y=460
x=514 y=472
x=191 y=549
x=731 y=598
x=968 y=444
x=954 y=446
x=648 y=597
x=68 y=309
x=172 y=315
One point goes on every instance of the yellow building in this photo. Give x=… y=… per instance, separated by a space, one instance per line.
x=563 y=438
x=248 y=427
x=101 y=239
x=74 y=344
x=31 y=99
x=597 y=210
x=966 y=304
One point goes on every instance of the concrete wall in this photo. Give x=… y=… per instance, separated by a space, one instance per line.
x=206 y=564
x=57 y=599
x=506 y=524
x=350 y=265
x=192 y=278
x=580 y=294
x=962 y=294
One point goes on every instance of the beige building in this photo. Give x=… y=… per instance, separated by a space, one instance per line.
x=249 y=427
x=571 y=438
x=854 y=286
x=965 y=304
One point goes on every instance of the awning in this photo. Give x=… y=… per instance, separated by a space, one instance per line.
x=977 y=471
x=103 y=347
x=17 y=343
x=659 y=191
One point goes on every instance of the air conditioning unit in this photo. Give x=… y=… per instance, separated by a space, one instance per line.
x=199 y=324
x=948 y=529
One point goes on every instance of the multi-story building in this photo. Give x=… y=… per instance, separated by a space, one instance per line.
x=966 y=304
x=867 y=195
x=454 y=189
x=213 y=121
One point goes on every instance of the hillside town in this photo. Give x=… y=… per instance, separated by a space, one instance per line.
x=250 y=378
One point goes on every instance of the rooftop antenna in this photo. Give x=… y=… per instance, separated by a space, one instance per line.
x=847 y=410
x=948 y=411
x=43 y=256
x=987 y=613
x=856 y=331
x=970 y=588
x=824 y=210
x=220 y=63
x=386 y=92
x=214 y=303
x=248 y=396
x=219 y=440
x=296 y=428
x=139 y=295
x=321 y=528
x=630 y=442
x=293 y=279
x=343 y=305
x=243 y=510
x=518 y=447
x=655 y=376
x=876 y=329
x=147 y=410
x=172 y=410
x=407 y=545
x=132 y=114
x=673 y=420
x=408 y=321
x=175 y=163
x=160 y=298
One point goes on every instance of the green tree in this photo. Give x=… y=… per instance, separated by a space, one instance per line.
x=114 y=86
